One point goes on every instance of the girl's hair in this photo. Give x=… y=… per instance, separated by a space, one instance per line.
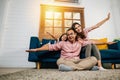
x=74 y=32
x=81 y=34
x=60 y=39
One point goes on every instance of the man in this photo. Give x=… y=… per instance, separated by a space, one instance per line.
x=70 y=50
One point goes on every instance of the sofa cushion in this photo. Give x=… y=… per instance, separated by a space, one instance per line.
x=115 y=46
x=110 y=54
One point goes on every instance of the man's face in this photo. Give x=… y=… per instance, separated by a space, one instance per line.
x=71 y=35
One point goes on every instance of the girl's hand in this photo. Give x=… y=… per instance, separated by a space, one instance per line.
x=111 y=42
x=108 y=17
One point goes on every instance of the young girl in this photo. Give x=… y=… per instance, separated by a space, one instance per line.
x=90 y=44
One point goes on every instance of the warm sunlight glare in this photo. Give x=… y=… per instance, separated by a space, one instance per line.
x=53 y=13
x=49 y=14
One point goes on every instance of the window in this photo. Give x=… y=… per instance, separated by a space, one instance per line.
x=70 y=1
x=57 y=19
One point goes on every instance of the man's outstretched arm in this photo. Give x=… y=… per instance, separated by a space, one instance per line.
x=44 y=47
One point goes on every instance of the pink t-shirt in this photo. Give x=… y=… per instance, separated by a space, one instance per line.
x=68 y=50
x=86 y=40
x=86 y=30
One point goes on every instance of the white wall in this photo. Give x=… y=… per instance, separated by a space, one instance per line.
x=21 y=20
x=3 y=7
x=95 y=11
x=115 y=4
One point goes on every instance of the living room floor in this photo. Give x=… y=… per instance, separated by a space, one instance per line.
x=55 y=74
x=11 y=70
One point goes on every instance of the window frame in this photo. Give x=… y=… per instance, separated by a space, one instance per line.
x=62 y=9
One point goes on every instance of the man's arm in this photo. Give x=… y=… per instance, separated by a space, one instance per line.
x=44 y=47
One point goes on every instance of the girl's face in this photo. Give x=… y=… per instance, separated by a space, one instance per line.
x=64 y=37
x=78 y=28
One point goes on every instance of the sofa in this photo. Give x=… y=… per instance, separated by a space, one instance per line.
x=47 y=59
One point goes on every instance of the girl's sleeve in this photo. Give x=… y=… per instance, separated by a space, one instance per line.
x=84 y=42
x=88 y=29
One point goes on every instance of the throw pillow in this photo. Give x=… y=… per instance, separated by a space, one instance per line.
x=102 y=46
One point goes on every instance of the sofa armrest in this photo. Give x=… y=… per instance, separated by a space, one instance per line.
x=115 y=46
x=34 y=43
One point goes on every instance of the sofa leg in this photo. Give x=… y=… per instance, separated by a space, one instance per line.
x=38 y=64
x=113 y=66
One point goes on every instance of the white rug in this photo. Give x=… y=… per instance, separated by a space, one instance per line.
x=55 y=74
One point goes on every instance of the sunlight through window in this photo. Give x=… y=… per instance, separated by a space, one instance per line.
x=57 y=19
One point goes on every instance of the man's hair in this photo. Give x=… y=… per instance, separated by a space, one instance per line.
x=70 y=29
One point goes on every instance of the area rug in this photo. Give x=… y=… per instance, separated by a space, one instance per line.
x=55 y=74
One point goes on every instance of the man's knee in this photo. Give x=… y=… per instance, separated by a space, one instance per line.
x=94 y=59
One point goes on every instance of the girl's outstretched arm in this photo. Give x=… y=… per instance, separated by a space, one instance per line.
x=101 y=22
x=98 y=42
x=52 y=36
x=44 y=47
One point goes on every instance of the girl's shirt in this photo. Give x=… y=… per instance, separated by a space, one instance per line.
x=86 y=30
x=68 y=50
x=86 y=40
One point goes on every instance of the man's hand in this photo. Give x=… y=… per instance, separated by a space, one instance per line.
x=31 y=50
